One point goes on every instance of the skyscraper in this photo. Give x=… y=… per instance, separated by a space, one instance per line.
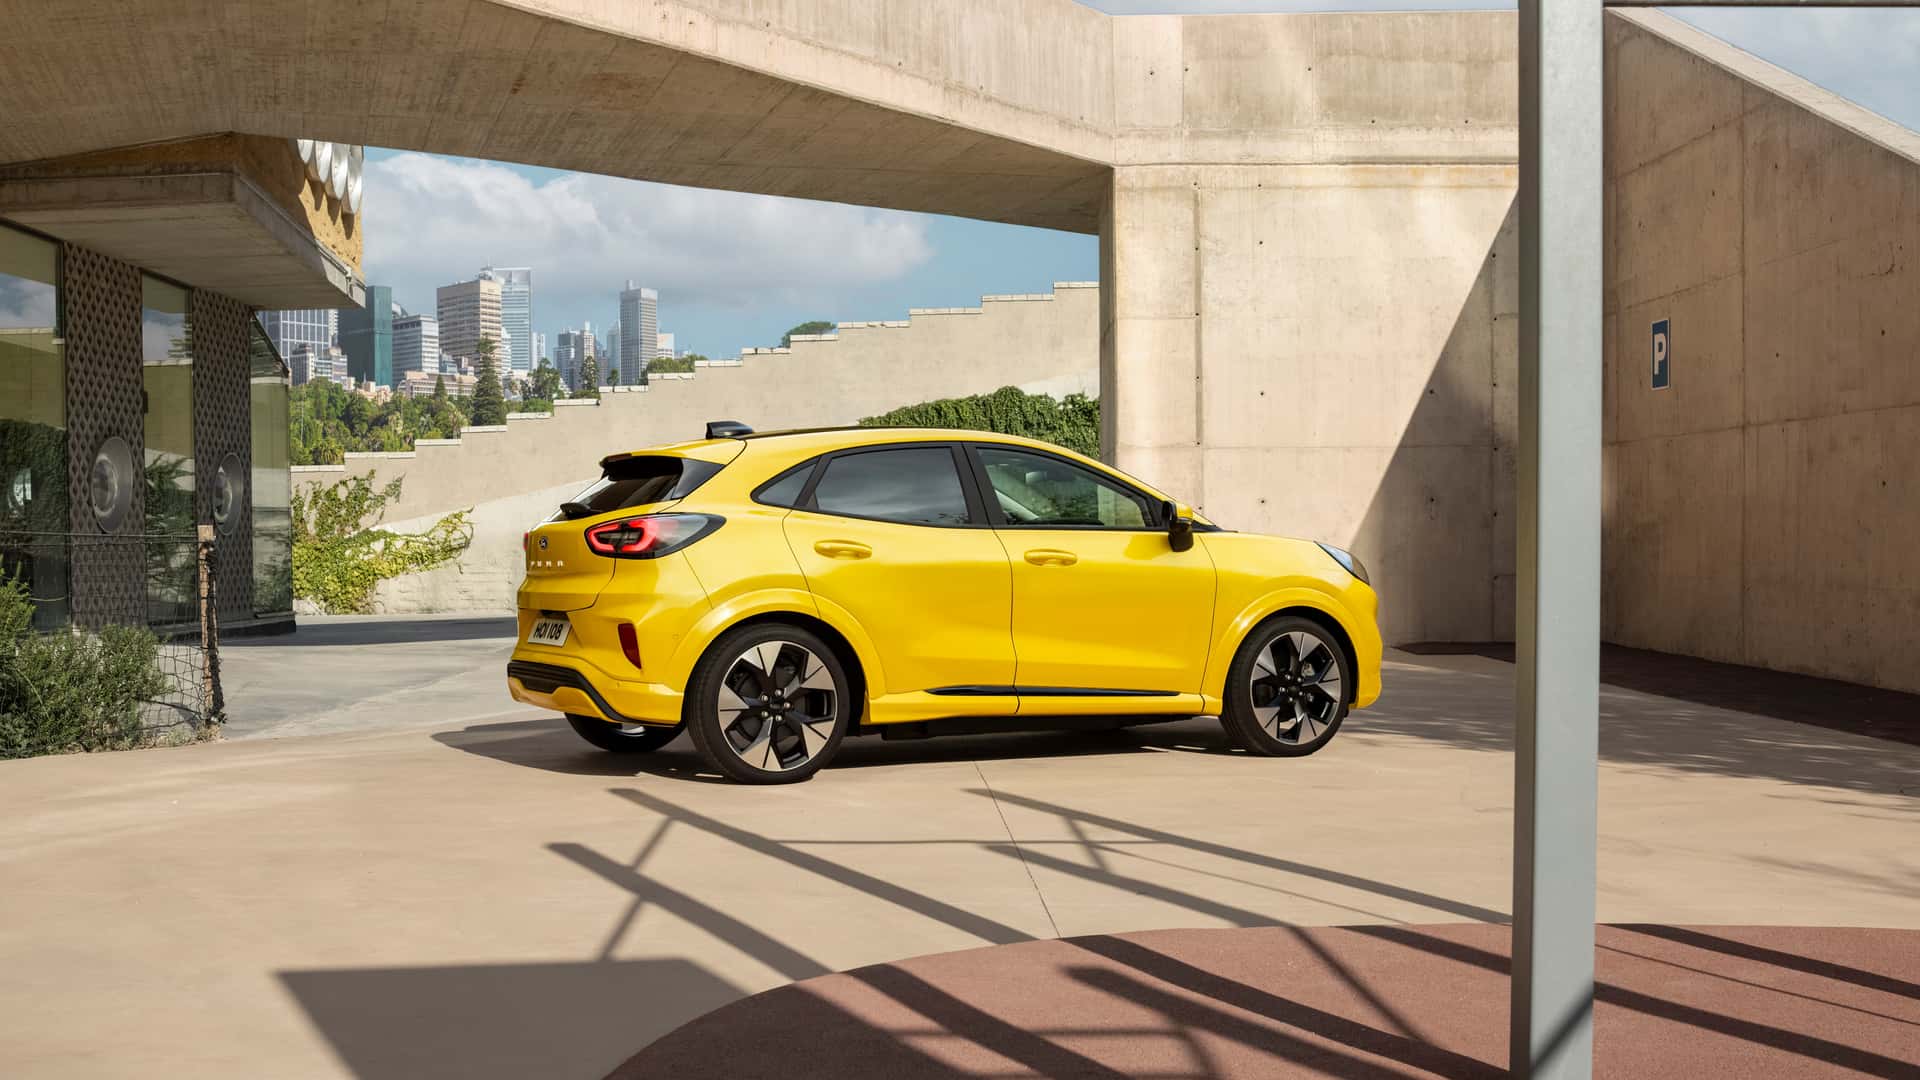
x=469 y=311
x=610 y=360
x=516 y=312
x=366 y=335
x=574 y=349
x=540 y=349
x=289 y=330
x=664 y=349
x=416 y=346
x=639 y=331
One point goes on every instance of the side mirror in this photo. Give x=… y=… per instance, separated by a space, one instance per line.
x=1179 y=525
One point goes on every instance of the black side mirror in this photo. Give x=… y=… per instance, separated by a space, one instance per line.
x=1179 y=525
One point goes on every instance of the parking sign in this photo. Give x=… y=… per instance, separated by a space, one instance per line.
x=1662 y=355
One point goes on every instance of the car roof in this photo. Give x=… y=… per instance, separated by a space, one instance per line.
x=820 y=440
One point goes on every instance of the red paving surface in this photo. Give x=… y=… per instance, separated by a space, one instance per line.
x=1382 y=1001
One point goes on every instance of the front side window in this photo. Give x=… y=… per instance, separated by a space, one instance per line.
x=1038 y=490
x=916 y=485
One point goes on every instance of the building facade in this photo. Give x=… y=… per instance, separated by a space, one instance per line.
x=366 y=336
x=664 y=347
x=639 y=332
x=416 y=345
x=469 y=311
x=288 y=330
x=573 y=349
x=132 y=410
x=516 y=314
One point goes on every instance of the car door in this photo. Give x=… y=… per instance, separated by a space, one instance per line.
x=1101 y=601
x=894 y=537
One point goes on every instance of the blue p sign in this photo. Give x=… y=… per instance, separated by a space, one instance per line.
x=1662 y=355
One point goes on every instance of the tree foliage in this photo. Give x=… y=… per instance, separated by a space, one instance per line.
x=589 y=379
x=326 y=421
x=813 y=326
x=672 y=363
x=1072 y=422
x=489 y=403
x=340 y=553
x=67 y=692
x=545 y=384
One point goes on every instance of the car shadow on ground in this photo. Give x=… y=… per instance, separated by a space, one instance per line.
x=550 y=744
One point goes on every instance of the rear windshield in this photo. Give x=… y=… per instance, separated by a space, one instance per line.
x=638 y=481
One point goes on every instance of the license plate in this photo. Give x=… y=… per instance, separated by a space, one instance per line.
x=549 y=632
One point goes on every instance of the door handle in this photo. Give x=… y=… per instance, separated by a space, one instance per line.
x=842 y=549
x=1051 y=557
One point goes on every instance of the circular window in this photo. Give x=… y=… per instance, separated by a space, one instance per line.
x=228 y=490
x=110 y=484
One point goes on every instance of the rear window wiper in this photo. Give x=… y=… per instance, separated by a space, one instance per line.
x=573 y=510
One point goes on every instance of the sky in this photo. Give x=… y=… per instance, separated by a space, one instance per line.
x=736 y=270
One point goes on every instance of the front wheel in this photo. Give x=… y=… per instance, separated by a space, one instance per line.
x=1287 y=690
x=768 y=704
x=623 y=738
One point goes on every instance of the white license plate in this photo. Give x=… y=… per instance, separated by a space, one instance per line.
x=549 y=632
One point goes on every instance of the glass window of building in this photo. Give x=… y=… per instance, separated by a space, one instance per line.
x=272 y=481
x=33 y=422
x=167 y=359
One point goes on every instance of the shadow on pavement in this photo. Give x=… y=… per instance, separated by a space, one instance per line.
x=551 y=745
x=501 y=1020
x=378 y=630
x=1467 y=701
x=1778 y=695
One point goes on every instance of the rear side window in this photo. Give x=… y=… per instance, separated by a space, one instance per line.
x=916 y=485
x=785 y=489
x=639 y=481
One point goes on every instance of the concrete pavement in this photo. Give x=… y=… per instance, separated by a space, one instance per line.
x=448 y=885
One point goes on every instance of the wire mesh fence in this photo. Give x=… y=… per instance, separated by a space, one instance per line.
x=130 y=659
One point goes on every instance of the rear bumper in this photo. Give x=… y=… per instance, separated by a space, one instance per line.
x=569 y=690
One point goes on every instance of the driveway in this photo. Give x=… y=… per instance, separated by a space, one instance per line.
x=392 y=870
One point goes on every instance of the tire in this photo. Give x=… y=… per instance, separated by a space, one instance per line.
x=1280 y=703
x=768 y=704
x=623 y=739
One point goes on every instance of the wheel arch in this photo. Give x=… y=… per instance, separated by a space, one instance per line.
x=843 y=650
x=1315 y=606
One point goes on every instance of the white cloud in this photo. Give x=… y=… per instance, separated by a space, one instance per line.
x=434 y=220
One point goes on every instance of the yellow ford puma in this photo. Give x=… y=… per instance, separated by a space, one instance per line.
x=775 y=593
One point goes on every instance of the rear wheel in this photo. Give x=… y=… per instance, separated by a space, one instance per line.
x=1287 y=690
x=623 y=738
x=768 y=704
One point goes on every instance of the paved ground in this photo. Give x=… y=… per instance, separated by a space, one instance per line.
x=1673 y=1003
x=445 y=884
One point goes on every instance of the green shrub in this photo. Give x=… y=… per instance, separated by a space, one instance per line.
x=1072 y=422
x=339 y=554
x=66 y=692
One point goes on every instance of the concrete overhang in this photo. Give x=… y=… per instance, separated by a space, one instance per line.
x=229 y=213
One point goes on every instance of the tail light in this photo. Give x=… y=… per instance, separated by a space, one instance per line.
x=649 y=536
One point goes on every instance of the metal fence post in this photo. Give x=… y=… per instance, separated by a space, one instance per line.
x=213 y=707
x=1556 y=717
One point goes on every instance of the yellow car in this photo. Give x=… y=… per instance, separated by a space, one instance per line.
x=775 y=593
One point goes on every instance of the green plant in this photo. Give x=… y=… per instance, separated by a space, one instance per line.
x=589 y=379
x=812 y=326
x=340 y=553
x=66 y=691
x=489 y=403
x=1072 y=422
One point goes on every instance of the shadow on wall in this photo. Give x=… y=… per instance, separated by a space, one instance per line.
x=1439 y=532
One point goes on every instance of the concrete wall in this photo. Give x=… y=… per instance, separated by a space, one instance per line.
x=1763 y=509
x=1314 y=333
x=516 y=474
